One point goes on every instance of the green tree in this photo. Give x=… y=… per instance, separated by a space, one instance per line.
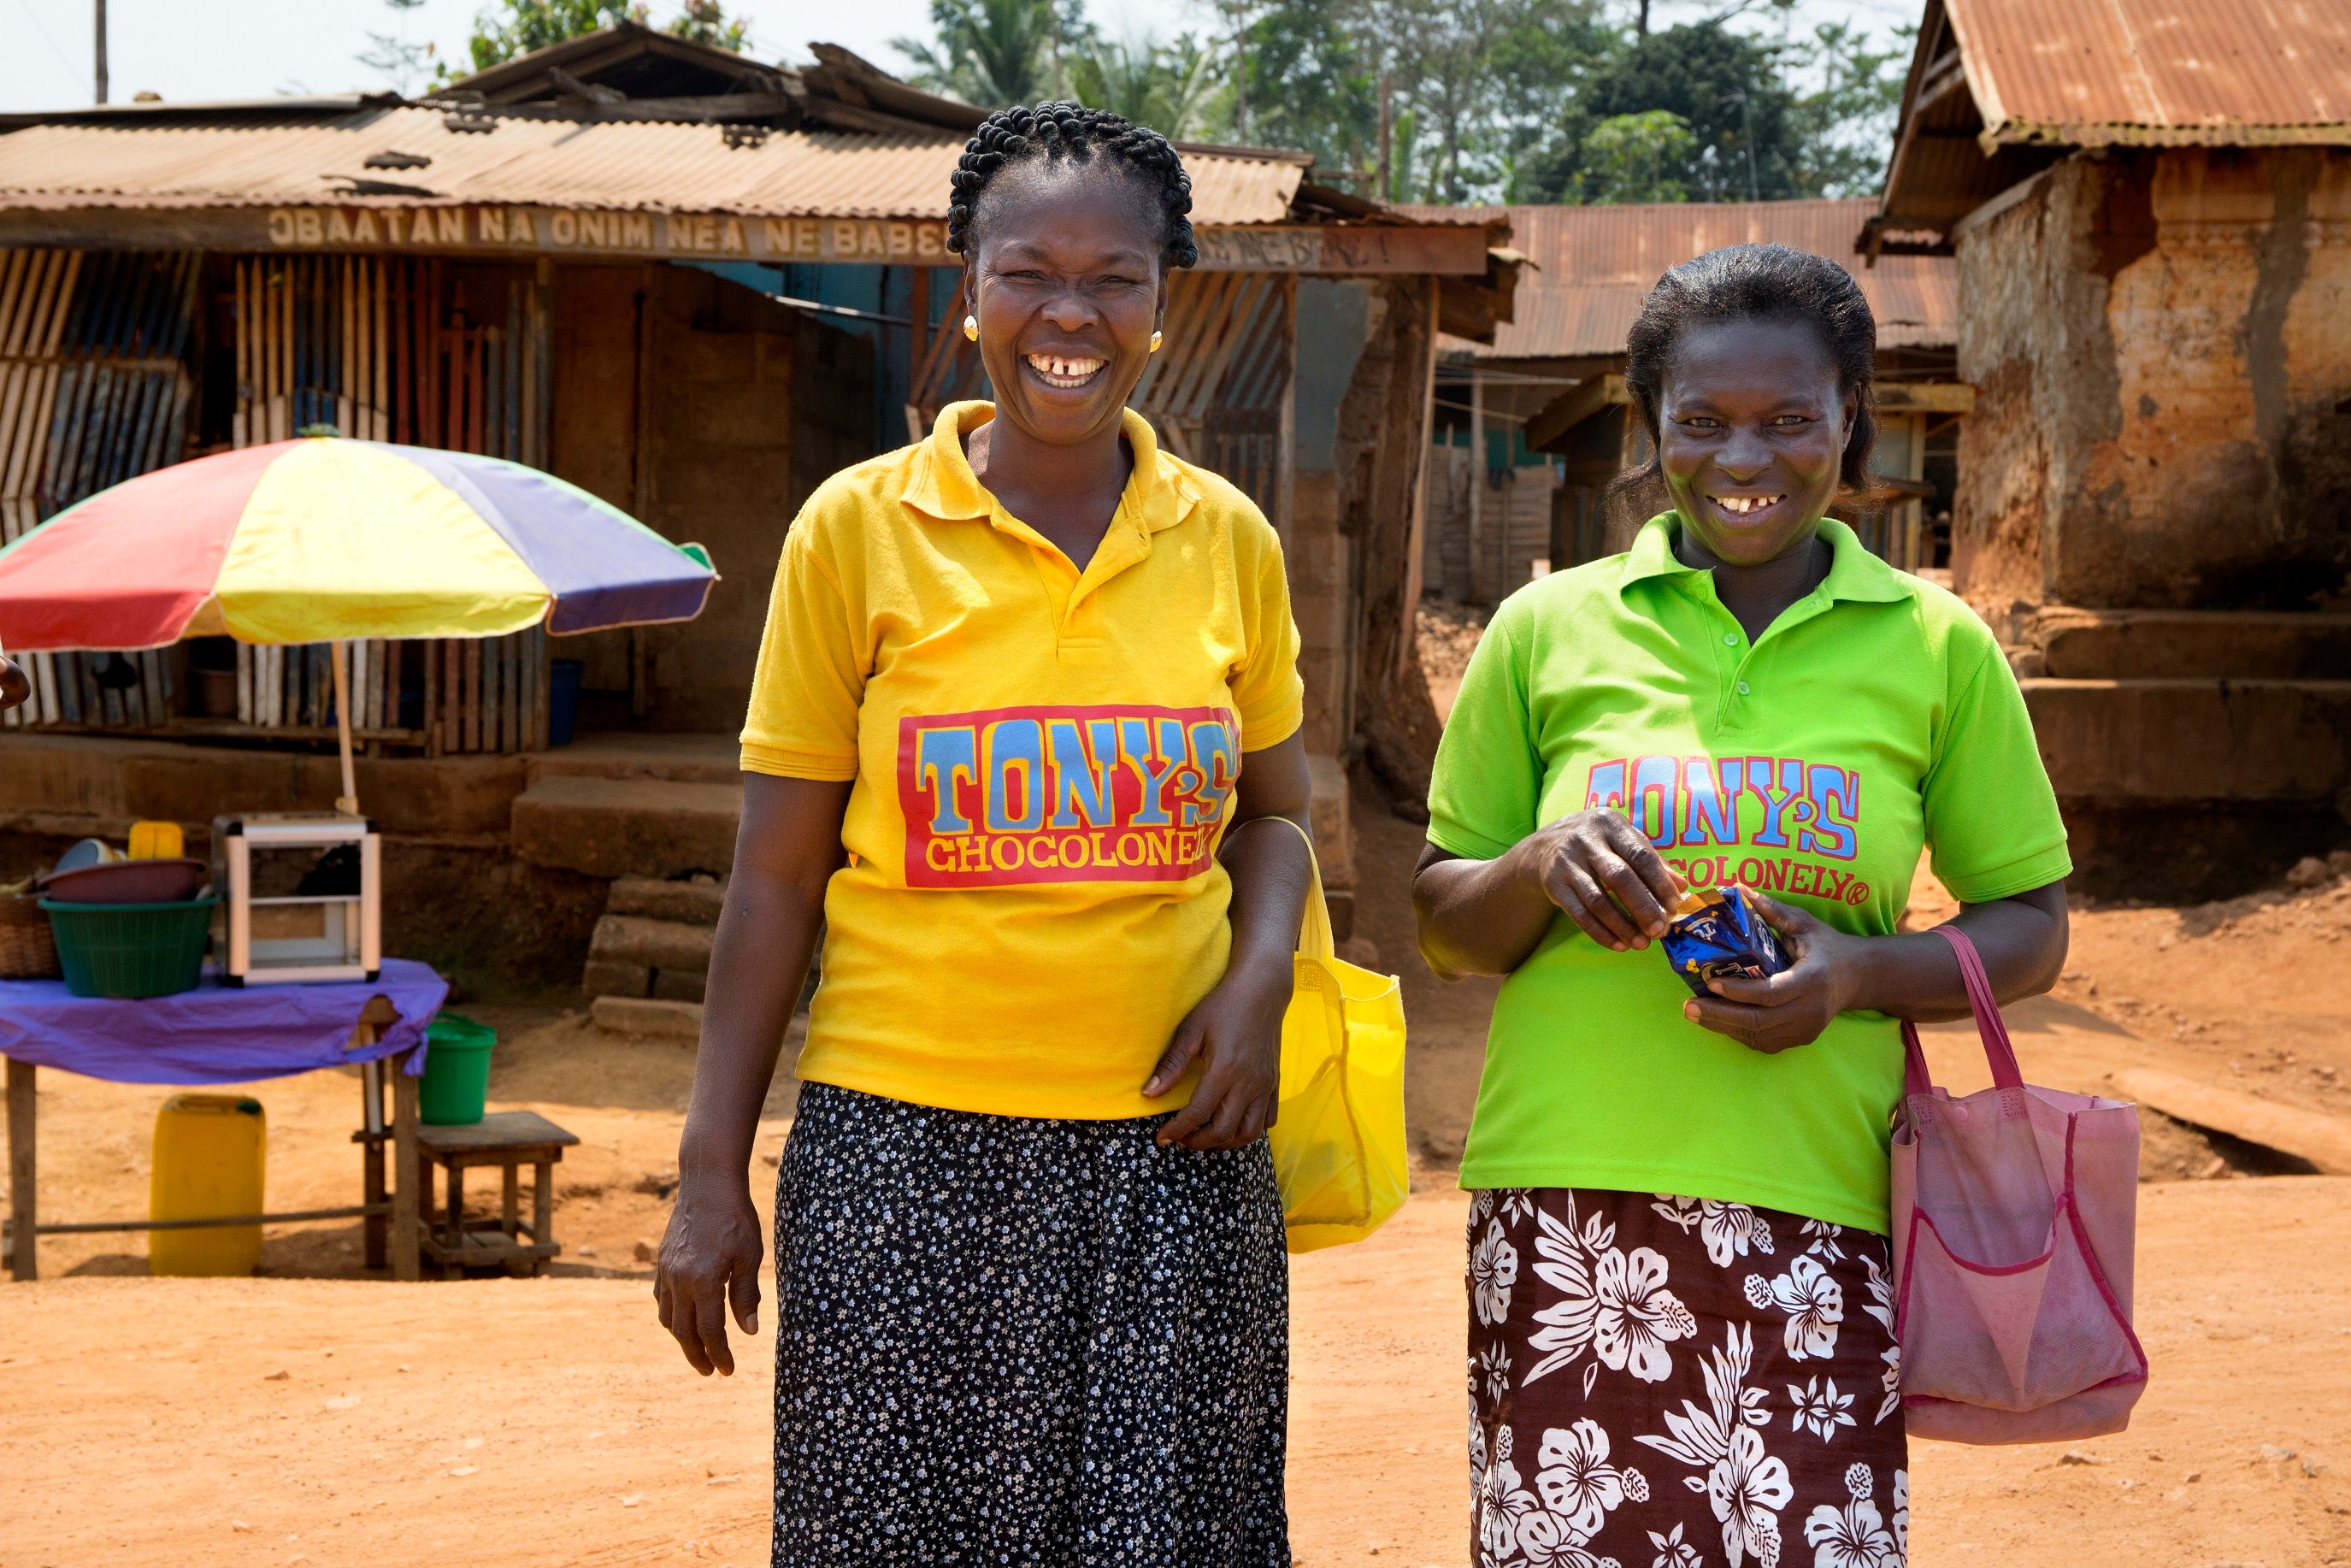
x=1165 y=87
x=401 y=61
x=1309 y=86
x=1844 y=125
x=705 y=22
x=997 y=53
x=1725 y=87
x=1635 y=158
x=518 y=26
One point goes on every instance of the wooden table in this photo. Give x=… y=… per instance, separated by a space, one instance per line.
x=394 y=1201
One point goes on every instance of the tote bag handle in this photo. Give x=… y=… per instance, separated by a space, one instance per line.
x=1315 y=938
x=1989 y=1028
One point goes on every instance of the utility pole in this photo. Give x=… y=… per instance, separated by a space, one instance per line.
x=101 y=5
x=1387 y=143
x=1641 y=27
x=1238 y=10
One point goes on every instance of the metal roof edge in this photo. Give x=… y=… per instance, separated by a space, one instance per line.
x=228 y=108
x=2023 y=133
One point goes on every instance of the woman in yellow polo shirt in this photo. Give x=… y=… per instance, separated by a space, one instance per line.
x=1681 y=1321
x=1028 y=698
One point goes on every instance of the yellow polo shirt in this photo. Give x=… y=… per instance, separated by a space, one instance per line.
x=1044 y=760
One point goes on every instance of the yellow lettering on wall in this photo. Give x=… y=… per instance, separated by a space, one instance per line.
x=805 y=240
x=306 y=230
x=775 y=237
x=363 y=227
x=592 y=229
x=845 y=241
x=567 y=228
x=338 y=227
x=520 y=230
x=281 y=228
x=872 y=241
x=492 y=224
x=451 y=221
x=930 y=241
x=902 y=239
x=637 y=231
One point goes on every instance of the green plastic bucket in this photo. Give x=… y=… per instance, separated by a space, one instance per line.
x=456 y=1071
x=131 y=949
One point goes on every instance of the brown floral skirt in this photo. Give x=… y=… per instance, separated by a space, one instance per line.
x=1669 y=1382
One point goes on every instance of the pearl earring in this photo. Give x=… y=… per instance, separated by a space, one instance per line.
x=1154 y=342
x=971 y=328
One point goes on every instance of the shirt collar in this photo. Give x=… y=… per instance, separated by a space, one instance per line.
x=1855 y=573
x=1159 y=494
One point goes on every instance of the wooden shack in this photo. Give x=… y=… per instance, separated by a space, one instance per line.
x=2149 y=207
x=691 y=284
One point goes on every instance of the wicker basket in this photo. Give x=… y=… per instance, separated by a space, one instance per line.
x=29 y=951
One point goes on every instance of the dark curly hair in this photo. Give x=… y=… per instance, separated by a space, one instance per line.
x=1073 y=133
x=1767 y=282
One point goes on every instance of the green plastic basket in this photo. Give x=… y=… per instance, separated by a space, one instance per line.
x=457 y=1079
x=131 y=949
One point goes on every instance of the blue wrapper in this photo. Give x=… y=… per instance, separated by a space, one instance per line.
x=1725 y=938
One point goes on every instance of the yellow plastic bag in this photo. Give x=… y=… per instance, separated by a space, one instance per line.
x=1338 y=1142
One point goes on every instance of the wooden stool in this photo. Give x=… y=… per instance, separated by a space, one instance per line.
x=509 y=1140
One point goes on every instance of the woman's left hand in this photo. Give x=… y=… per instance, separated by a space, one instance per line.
x=1793 y=1007
x=1237 y=1032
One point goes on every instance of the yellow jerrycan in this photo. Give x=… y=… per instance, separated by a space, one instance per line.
x=210 y=1151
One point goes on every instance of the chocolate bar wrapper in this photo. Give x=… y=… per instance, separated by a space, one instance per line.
x=1725 y=937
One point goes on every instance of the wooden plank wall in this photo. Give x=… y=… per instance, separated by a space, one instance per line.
x=94 y=389
x=389 y=349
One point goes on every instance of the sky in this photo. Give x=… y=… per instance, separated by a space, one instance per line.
x=195 y=50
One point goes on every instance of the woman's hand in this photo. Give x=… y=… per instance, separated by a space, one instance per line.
x=1823 y=978
x=1236 y=1031
x=1581 y=860
x=709 y=1261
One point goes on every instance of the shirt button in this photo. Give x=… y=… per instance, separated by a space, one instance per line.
x=1730 y=639
x=1742 y=688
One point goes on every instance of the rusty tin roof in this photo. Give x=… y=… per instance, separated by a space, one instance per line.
x=428 y=153
x=1593 y=265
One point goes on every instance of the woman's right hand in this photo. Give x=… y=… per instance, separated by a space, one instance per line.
x=1580 y=861
x=709 y=1261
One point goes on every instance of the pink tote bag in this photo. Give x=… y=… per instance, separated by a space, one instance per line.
x=2013 y=1216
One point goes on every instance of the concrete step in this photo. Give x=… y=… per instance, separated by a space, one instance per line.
x=679 y=758
x=655 y=943
x=2147 y=741
x=692 y=903
x=624 y=827
x=2078 y=644
x=635 y=1015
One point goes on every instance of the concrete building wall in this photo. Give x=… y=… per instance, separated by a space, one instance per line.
x=2161 y=345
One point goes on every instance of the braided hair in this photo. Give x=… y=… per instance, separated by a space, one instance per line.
x=1059 y=132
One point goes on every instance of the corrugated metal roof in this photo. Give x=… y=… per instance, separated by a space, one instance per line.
x=636 y=165
x=2089 y=73
x=1595 y=265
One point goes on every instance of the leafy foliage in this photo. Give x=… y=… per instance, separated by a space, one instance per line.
x=705 y=22
x=1165 y=87
x=514 y=27
x=1634 y=158
x=996 y=53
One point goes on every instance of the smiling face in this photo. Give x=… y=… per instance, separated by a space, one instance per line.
x=1751 y=431
x=1069 y=287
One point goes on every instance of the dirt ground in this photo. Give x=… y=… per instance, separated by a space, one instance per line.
x=313 y=1415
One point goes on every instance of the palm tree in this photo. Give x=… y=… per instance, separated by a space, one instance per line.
x=1163 y=86
x=993 y=53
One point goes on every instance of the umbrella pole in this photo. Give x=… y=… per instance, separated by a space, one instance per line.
x=348 y=802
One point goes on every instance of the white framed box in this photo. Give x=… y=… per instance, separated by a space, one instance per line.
x=301 y=898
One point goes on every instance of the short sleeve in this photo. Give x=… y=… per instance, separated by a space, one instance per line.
x=1487 y=786
x=810 y=682
x=1992 y=816
x=1267 y=690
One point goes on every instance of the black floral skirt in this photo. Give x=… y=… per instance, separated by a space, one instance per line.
x=1671 y=1381
x=1002 y=1340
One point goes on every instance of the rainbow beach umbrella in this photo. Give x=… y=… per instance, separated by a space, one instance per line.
x=322 y=539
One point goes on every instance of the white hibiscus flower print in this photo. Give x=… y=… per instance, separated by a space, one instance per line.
x=1494 y=1366
x=1728 y=1229
x=1503 y=1505
x=1673 y=1551
x=1563 y=1261
x=1747 y=1489
x=1823 y=1239
x=1854 y=1536
x=1493 y=1270
x=1890 y=1380
x=1901 y=1514
x=1881 y=1294
x=1746 y=1486
x=1823 y=1410
x=1813 y=1302
x=1576 y=1481
x=1516 y=1202
x=1636 y=1317
x=1481 y=1204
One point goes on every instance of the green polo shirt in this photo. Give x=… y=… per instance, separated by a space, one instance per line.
x=1876 y=715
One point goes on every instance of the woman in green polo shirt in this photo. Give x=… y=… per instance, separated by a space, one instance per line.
x=1681 y=1318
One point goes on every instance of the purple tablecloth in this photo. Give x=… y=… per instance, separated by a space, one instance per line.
x=215 y=1033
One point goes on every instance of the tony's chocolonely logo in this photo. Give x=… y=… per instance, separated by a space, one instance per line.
x=1018 y=796
x=1719 y=819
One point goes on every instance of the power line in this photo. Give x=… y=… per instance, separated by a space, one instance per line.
x=35 y=17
